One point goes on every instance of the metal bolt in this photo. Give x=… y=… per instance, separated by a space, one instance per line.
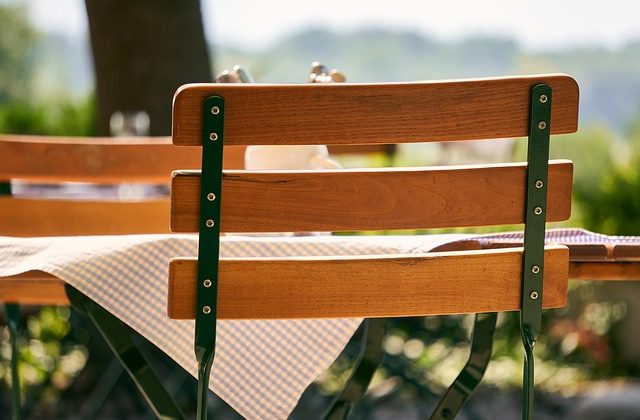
x=213 y=136
x=543 y=98
x=533 y=295
x=542 y=125
x=206 y=310
x=206 y=283
x=539 y=184
x=537 y=211
x=215 y=110
x=209 y=223
x=535 y=269
x=211 y=196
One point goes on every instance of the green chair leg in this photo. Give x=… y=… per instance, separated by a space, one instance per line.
x=479 y=357
x=367 y=363
x=13 y=321
x=118 y=339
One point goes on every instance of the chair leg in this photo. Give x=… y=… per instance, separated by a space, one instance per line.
x=13 y=320
x=119 y=341
x=367 y=363
x=479 y=357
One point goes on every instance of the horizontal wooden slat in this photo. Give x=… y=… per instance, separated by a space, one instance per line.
x=99 y=160
x=407 y=198
x=38 y=288
x=605 y=270
x=344 y=113
x=33 y=288
x=428 y=284
x=52 y=217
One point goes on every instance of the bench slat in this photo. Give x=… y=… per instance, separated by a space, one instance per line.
x=351 y=200
x=345 y=113
x=429 y=284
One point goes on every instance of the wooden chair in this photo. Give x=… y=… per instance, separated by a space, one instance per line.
x=214 y=201
x=100 y=161
x=113 y=161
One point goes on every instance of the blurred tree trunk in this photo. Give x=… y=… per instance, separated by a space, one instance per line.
x=143 y=50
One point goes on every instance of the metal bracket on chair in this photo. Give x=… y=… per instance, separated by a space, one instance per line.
x=534 y=234
x=463 y=386
x=12 y=311
x=13 y=322
x=209 y=244
x=369 y=359
x=119 y=341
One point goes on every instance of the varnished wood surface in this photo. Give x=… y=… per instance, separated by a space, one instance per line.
x=33 y=288
x=430 y=284
x=99 y=160
x=344 y=113
x=605 y=270
x=52 y=217
x=401 y=198
x=38 y=288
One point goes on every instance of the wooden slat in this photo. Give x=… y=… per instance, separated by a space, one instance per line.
x=51 y=217
x=100 y=160
x=344 y=113
x=33 y=288
x=605 y=270
x=38 y=288
x=407 y=198
x=429 y=284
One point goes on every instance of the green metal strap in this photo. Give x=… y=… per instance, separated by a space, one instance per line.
x=12 y=311
x=469 y=378
x=209 y=244
x=119 y=341
x=13 y=321
x=534 y=234
x=370 y=357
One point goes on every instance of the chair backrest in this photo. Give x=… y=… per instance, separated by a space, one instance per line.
x=354 y=200
x=112 y=161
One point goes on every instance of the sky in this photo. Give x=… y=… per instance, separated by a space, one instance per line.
x=254 y=24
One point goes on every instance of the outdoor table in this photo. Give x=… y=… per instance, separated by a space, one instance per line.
x=261 y=367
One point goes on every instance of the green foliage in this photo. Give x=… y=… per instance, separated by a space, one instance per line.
x=56 y=118
x=48 y=359
x=17 y=39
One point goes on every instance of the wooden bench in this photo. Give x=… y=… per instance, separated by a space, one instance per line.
x=215 y=201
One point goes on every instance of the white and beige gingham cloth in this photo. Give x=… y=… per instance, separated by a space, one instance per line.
x=261 y=367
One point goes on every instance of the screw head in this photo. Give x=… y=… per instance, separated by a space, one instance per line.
x=543 y=98
x=534 y=295
x=542 y=125
x=211 y=196
x=537 y=211
x=206 y=310
x=210 y=223
x=213 y=136
x=535 y=269
x=215 y=110
x=539 y=184
x=206 y=283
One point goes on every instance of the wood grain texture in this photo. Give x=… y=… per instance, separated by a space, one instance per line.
x=99 y=160
x=33 y=288
x=50 y=217
x=38 y=288
x=374 y=113
x=348 y=200
x=604 y=270
x=408 y=285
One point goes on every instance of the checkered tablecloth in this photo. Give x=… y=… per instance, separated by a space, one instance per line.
x=261 y=367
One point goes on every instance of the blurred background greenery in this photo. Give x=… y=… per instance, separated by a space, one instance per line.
x=46 y=87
